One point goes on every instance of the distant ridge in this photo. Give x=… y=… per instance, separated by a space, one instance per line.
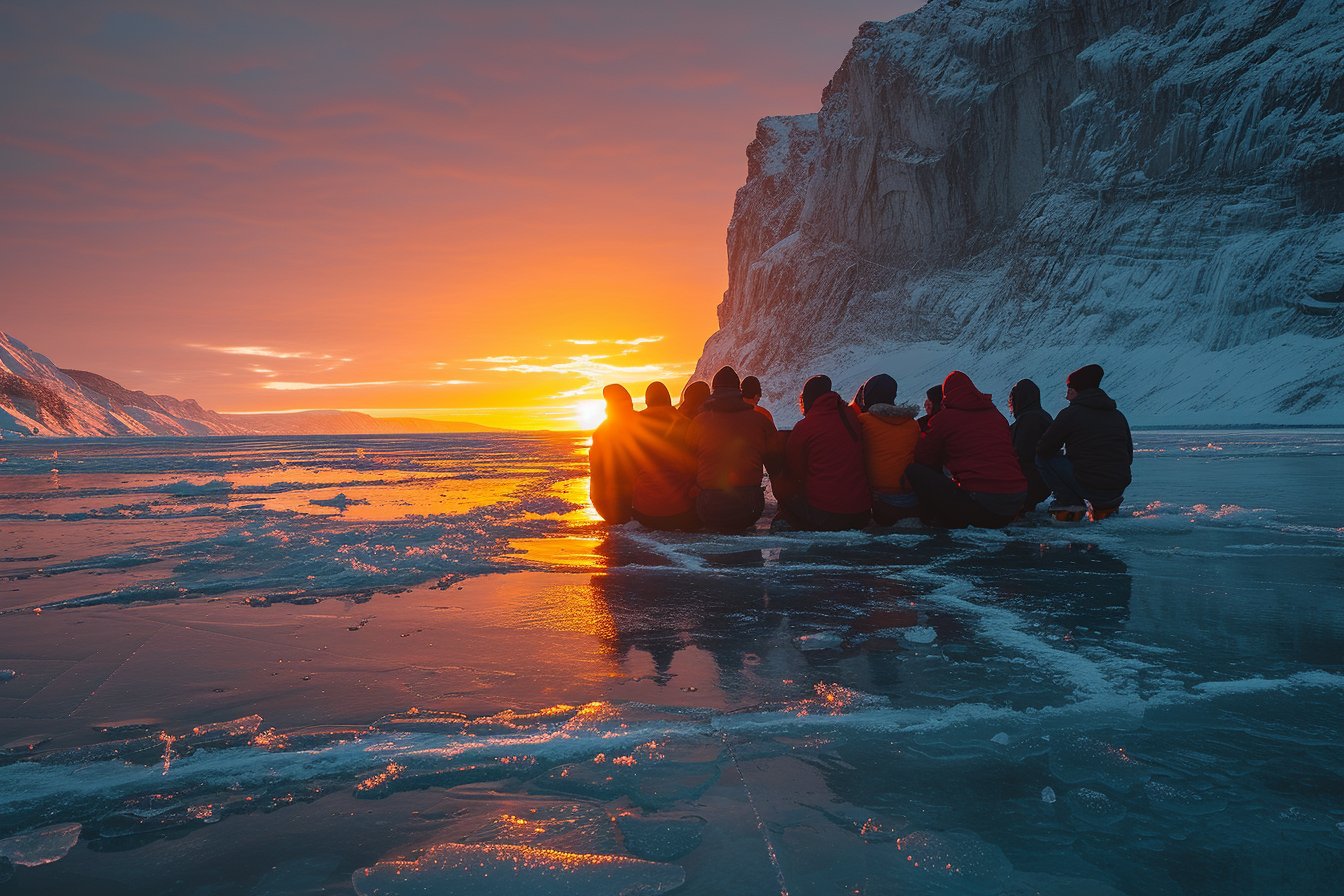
x=37 y=398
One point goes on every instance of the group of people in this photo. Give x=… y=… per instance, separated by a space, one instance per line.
x=700 y=464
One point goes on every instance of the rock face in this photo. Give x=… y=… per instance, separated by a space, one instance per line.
x=1017 y=187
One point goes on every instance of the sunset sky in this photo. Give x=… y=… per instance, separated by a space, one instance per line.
x=470 y=211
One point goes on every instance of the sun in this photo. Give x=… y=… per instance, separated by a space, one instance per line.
x=589 y=413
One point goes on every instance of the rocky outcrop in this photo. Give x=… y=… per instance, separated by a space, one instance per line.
x=1018 y=187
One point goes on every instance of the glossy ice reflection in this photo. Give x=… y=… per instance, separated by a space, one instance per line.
x=225 y=677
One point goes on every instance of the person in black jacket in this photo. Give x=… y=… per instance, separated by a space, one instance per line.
x=1098 y=448
x=1030 y=422
x=933 y=403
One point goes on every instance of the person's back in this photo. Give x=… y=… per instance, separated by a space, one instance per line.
x=663 y=464
x=890 y=434
x=969 y=437
x=730 y=441
x=1096 y=440
x=825 y=452
x=611 y=475
x=1030 y=422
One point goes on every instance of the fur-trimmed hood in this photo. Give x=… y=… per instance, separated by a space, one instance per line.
x=893 y=413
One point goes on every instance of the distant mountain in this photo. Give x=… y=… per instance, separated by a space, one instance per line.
x=1015 y=188
x=39 y=398
x=313 y=423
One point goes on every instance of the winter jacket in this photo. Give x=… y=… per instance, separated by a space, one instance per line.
x=1030 y=421
x=763 y=412
x=970 y=438
x=1096 y=439
x=662 y=462
x=825 y=452
x=890 y=434
x=730 y=440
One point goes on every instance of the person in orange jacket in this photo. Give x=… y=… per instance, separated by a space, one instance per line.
x=890 y=434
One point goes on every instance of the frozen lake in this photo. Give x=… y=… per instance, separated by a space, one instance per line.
x=286 y=665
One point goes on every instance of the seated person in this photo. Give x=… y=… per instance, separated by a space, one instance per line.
x=933 y=403
x=969 y=437
x=663 y=465
x=751 y=394
x=824 y=457
x=890 y=433
x=730 y=441
x=1098 y=449
x=1030 y=421
x=611 y=477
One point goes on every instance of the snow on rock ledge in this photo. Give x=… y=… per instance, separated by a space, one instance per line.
x=1018 y=187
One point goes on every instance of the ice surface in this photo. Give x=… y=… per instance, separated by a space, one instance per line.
x=486 y=870
x=231 y=690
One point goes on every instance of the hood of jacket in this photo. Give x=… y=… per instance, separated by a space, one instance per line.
x=1094 y=398
x=726 y=400
x=1025 y=396
x=960 y=393
x=893 y=413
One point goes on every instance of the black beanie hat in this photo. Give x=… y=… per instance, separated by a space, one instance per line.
x=814 y=388
x=657 y=396
x=880 y=389
x=751 y=387
x=1088 y=377
x=726 y=378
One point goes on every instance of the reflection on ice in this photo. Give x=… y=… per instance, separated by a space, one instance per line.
x=457 y=867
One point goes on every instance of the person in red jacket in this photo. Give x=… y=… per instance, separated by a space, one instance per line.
x=663 y=465
x=611 y=477
x=824 y=454
x=730 y=441
x=970 y=438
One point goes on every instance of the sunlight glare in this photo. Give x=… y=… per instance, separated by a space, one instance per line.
x=589 y=413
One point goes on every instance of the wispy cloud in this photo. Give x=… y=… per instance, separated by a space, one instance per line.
x=594 y=370
x=290 y=386
x=641 y=340
x=261 y=351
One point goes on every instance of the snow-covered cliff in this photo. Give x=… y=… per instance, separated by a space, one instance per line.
x=1017 y=187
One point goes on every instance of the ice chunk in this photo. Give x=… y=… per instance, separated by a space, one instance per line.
x=7 y=674
x=42 y=846
x=1001 y=739
x=660 y=838
x=1047 y=795
x=945 y=862
x=1181 y=800
x=340 y=501
x=185 y=488
x=1083 y=760
x=819 y=641
x=920 y=634
x=1094 y=808
x=508 y=870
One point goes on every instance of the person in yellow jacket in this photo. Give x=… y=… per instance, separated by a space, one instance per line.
x=890 y=433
